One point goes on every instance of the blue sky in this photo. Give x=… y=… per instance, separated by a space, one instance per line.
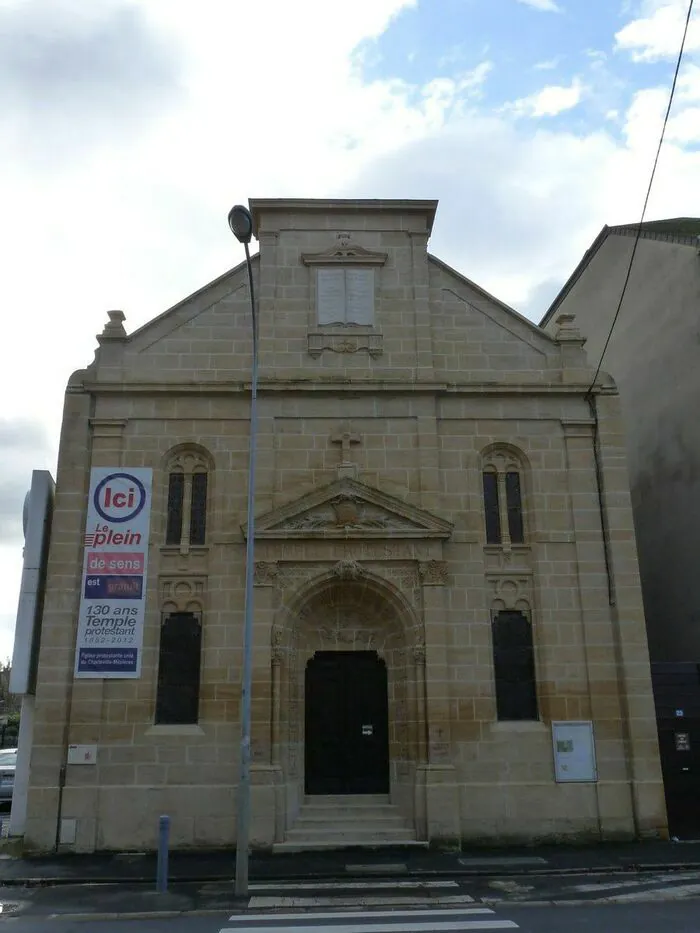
x=527 y=47
x=129 y=127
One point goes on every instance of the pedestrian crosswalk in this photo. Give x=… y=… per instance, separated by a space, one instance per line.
x=455 y=920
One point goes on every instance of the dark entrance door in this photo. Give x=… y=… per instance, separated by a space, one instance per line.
x=677 y=697
x=347 y=733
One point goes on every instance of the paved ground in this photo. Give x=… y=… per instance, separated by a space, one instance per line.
x=104 y=901
x=219 y=865
x=104 y=888
x=667 y=918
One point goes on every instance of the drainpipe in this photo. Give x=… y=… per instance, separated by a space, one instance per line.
x=605 y=528
x=612 y=602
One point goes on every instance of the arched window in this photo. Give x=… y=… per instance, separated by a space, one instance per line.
x=514 y=666
x=179 y=658
x=503 y=498
x=188 y=480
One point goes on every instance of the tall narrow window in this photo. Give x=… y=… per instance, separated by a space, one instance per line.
x=515 y=507
x=503 y=501
x=176 y=490
x=514 y=666
x=198 y=511
x=188 y=490
x=177 y=700
x=491 y=509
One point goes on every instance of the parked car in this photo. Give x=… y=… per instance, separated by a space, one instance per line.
x=8 y=762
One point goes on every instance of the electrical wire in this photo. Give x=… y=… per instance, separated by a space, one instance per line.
x=646 y=199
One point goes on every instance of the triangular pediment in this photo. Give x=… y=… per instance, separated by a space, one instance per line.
x=350 y=509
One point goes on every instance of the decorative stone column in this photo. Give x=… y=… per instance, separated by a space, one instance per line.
x=441 y=807
x=266 y=703
x=276 y=662
x=420 y=701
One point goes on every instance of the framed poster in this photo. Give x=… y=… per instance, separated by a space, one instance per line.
x=113 y=590
x=574 y=752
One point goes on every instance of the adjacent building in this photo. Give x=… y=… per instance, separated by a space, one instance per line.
x=652 y=355
x=447 y=648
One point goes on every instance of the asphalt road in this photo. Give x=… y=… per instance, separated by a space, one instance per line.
x=638 y=918
x=638 y=902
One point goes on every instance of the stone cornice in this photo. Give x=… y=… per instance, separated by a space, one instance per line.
x=329 y=387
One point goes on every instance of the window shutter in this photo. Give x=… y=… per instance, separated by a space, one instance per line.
x=491 y=511
x=198 y=510
x=330 y=298
x=176 y=492
x=515 y=508
x=359 y=296
x=177 y=701
x=514 y=667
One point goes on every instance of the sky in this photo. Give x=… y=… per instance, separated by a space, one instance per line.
x=129 y=127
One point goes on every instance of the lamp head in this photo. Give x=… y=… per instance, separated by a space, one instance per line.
x=241 y=223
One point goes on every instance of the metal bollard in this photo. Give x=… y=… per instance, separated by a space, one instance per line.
x=163 y=842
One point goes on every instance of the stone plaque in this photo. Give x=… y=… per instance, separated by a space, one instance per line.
x=330 y=298
x=359 y=296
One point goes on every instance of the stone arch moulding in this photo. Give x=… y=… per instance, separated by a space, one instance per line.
x=506 y=453
x=345 y=605
x=182 y=594
x=187 y=456
x=511 y=592
x=299 y=586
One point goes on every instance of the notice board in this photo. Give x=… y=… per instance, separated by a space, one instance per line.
x=574 y=752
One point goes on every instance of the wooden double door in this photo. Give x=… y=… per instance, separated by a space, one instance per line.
x=346 y=720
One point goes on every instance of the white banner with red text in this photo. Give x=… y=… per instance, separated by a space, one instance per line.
x=113 y=591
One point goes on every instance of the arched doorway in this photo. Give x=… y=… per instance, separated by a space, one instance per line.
x=346 y=715
x=349 y=718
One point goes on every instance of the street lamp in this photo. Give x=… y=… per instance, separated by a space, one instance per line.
x=241 y=224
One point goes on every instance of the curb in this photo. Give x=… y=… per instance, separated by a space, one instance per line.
x=486 y=872
x=132 y=915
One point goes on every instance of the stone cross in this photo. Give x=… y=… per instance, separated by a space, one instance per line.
x=346 y=439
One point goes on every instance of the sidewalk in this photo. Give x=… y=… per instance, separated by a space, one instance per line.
x=203 y=866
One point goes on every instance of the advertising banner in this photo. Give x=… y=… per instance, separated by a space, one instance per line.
x=113 y=592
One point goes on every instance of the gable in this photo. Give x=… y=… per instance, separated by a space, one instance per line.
x=349 y=509
x=473 y=331
x=197 y=334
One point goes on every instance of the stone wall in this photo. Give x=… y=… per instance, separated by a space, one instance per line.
x=411 y=429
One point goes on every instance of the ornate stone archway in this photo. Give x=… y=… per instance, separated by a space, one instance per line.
x=349 y=608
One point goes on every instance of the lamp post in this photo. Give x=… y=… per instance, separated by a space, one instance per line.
x=241 y=224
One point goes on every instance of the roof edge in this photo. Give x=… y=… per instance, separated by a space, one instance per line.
x=356 y=205
x=183 y=301
x=576 y=274
x=516 y=314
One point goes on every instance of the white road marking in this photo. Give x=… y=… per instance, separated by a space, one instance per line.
x=266 y=902
x=430 y=926
x=355 y=914
x=347 y=885
x=644 y=882
x=670 y=893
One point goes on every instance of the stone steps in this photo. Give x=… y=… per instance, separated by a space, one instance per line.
x=339 y=821
x=347 y=800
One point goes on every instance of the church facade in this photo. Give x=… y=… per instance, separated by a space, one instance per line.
x=448 y=624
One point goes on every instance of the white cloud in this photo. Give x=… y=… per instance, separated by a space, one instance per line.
x=549 y=101
x=547 y=6
x=656 y=34
x=549 y=65
x=269 y=100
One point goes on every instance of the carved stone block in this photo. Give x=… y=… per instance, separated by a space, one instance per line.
x=433 y=572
